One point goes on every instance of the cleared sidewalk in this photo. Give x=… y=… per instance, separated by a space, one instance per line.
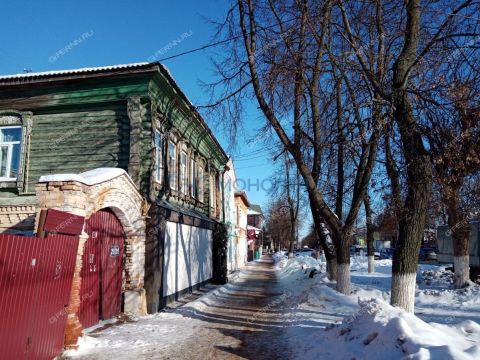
x=242 y=320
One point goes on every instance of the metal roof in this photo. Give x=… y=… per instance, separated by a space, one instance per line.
x=54 y=73
x=243 y=195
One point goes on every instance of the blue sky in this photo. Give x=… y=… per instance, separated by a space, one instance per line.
x=120 y=31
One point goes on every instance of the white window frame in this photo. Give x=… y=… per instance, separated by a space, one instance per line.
x=201 y=184
x=183 y=172
x=158 y=156
x=172 y=166
x=193 y=179
x=9 y=145
x=213 y=195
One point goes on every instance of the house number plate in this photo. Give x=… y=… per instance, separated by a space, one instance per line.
x=115 y=250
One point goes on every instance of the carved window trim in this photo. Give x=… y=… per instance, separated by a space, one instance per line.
x=172 y=164
x=159 y=168
x=201 y=171
x=24 y=120
x=183 y=170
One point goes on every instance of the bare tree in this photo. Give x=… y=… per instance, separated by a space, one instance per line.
x=282 y=61
x=454 y=141
x=278 y=224
x=293 y=200
x=370 y=231
x=411 y=42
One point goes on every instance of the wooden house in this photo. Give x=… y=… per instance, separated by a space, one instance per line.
x=132 y=117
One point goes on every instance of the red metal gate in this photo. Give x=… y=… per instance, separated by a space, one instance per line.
x=35 y=283
x=90 y=287
x=101 y=291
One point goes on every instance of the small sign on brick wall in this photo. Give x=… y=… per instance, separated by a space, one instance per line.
x=115 y=250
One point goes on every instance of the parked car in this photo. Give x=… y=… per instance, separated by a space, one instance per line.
x=376 y=254
x=357 y=249
x=427 y=254
x=303 y=252
x=387 y=253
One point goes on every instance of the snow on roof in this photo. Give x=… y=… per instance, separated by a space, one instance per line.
x=255 y=210
x=91 y=177
x=73 y=71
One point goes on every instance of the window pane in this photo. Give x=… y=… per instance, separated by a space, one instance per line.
x=159 y=157
x=200 y=184
x=3 y=161
x=212 y=192
x=183 y=173
x=173 y=166
x=194 y=178
x=10 y=134
x=15 y=160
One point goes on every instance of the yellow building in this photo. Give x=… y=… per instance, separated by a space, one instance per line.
x=241 y=208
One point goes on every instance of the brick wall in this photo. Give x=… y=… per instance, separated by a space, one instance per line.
x=121 y=196
x=17 y=218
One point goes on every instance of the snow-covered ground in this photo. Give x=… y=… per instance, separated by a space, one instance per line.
x=292 y=313
x=233 y=321
x=324 y=324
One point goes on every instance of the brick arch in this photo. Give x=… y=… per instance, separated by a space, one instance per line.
x=127 y=207
x=84 y=194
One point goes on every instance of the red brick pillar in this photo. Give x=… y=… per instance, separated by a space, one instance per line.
x=68 y=196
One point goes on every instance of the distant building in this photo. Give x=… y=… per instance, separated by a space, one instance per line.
x=241 y=209
x=229 y=181
x=387 y=239
x=256 y=220
x=255 y=216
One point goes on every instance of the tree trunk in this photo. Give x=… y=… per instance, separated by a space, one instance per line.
x=343 y=279
x=418 y=169
x=460 y=236
x=411 y=228
x=343 y=264
x=290 y=250
x=328 y=247
x=461 y=276
x=332 y=269
x=403 y=290
x=370 y=240
x=371 y=264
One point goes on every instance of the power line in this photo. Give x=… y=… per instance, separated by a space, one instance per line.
x=206 y=46
x=251 y=166
x=200 y=48
x=251 y=158
x=252 y=155
x=254 y=152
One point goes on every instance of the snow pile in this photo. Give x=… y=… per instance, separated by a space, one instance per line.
x=433 y=275
x=380 y=331
x=324 y=324
x=289 y=266
x=360 y=263
x=279 y=258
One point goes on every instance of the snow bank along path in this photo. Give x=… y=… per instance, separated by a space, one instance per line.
x=241 y=320
x=327 y=325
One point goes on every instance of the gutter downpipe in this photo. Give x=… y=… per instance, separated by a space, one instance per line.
x=225 y=169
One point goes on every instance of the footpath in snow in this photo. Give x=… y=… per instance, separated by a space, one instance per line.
x=241 y=320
